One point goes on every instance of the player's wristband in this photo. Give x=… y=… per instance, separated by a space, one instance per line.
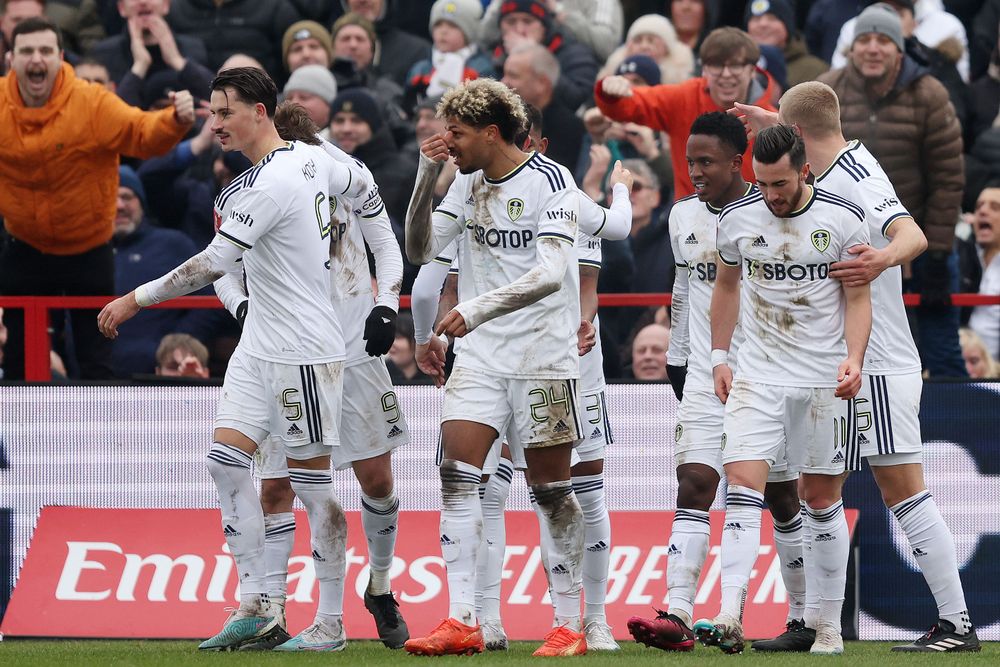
x=719 y=357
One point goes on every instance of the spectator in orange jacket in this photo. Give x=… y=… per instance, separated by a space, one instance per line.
x=729 y=75
x=60 y=138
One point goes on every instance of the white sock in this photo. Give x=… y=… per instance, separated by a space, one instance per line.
x=831 y=548
x=788 y=543
x=279 y=538
x=686 y=556
x=811 y=612
x=380 y=518
x=328 y=537
x=489 y=566
x=563 y=520
x=461 y=534
x=934 y=548
x=242 y=517
x=740 y=546
x=543 y=541
x=589 y=490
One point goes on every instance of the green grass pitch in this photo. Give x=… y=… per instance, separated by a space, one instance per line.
x=24 y=652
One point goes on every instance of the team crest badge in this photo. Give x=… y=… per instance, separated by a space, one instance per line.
x=821 y=239
x=678 y=432
x=515 y=207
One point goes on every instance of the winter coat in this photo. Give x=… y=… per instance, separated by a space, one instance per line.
x=115 y=53
x=59 y=162
x=914 y=134
x=800 y=65
x=577 y=69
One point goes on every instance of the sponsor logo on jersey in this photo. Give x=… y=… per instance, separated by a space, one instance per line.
x=704 y=271
x=888 y=202
x=820 y=239
x=502 y=238
x=240 y=216
x=561 y=214
x=515 y=207
x=779 y=271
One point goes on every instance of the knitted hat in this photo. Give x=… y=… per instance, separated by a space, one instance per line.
x=314 y=79
x=351 y=18
x=127 y=178
x=772 y=60
x=361 y=102
x=536 y=8
x=781 y=9
x=653 y=24
x=305 y=30
x=463 y=13
x=882 y=19
x=642 y=66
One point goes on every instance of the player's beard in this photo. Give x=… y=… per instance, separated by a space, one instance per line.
x=787 y=204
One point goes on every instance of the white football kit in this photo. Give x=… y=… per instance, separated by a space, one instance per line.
x=286 y=375
x=888 y=405
x=792 y=319
x=693 y=227
x=518 y=364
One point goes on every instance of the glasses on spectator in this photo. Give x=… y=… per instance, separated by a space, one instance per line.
x=716 y=70
x=638 y=186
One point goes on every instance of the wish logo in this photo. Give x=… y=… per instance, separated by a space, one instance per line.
x=962 y=467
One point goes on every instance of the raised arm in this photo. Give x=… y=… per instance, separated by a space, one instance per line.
x=428 y=232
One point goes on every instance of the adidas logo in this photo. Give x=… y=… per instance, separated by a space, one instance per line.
x=600 y=546
x=446 y=541
x=294 y=431
x=394 y=431
x=918 y=552
x=229 y=531
x=559 y=568
x=759 y=242
x=470 y=201
x=596 y=434
x=560 y=427
x=691 y=240
x=317 y=557
x=387 y=531
x=796 y=564
x=838 y=458
x=673 y=551
x=862 y=440
x=734 y=525
x=824 y=537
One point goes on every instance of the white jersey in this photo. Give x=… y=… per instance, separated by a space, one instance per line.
x=354 y=221
x=791 y=311
x=498 y=224
x=693 y=227
x=588 y=250
x=857 y=176
x=277 y=211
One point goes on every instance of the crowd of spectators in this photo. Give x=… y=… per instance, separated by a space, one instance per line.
x=108 y=170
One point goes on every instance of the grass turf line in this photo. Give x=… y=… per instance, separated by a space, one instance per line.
x=24 y=652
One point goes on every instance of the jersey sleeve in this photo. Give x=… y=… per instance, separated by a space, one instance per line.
x=728 y=249
x=614 y=223
x=448 y=218
x=252 y=213
x=560 y=211
x=680 y=343
x=882 y=207
x=857 y=235
x=588 y=249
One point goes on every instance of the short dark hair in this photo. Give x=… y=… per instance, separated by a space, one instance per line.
x=728 y=129
x=534 y=121
x=252 y=86
x=722 y=43
x=36 y=24
x=774 y=142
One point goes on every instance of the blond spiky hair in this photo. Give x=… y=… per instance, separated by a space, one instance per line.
x=483 y=102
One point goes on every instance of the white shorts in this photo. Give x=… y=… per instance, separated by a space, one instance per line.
x=596 y=427
x=298 y=406
x=698 y=435
x=533 y=413
x=368 y=395
x=814 y=428
x=888 y=414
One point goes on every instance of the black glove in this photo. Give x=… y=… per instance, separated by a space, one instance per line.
x=677 y=375
x=935 y=281
x=380 y=330
x=241 y=312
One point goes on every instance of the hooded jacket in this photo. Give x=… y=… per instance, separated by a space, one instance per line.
x=59 y=162
x=914 y=134
x=671 y=108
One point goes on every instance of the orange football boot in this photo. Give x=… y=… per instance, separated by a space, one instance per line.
x=561 y=642
x=449 y=638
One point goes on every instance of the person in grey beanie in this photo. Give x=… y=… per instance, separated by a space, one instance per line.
x=314 y=87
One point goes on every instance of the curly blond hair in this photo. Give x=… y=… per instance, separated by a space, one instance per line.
x=483 y=102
